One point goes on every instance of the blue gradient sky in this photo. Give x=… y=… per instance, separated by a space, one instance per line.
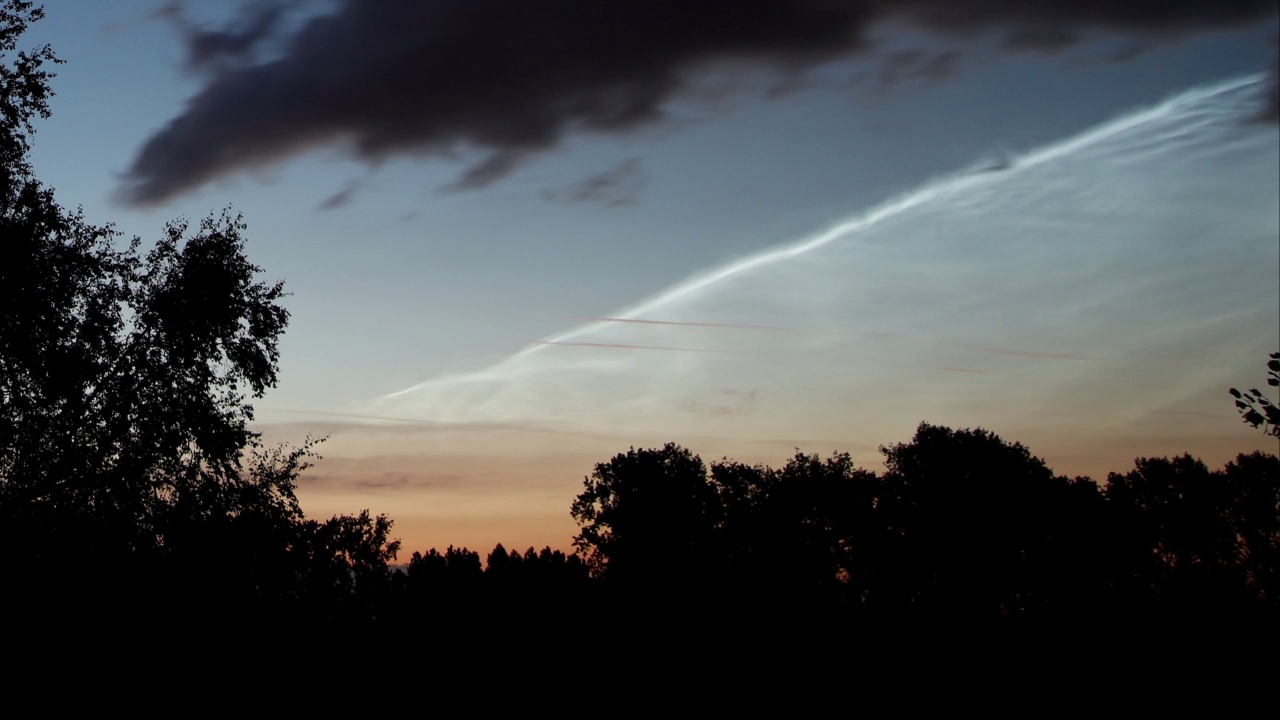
x=1094 y=307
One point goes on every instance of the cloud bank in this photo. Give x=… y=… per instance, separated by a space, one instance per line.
x=390 y=77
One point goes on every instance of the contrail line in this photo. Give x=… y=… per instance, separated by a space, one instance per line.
x=623 y=346
x=744 y=326
x=942 y=368
x=1019 y=353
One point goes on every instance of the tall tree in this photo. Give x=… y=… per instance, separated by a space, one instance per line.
x=1200 y=543
x=798 y=536
x=648 y=516
x=126 y=388
x=978 y=527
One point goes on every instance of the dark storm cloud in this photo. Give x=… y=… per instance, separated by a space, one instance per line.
x=1041 y=39
x=616 y=186
x=511 y=79
x=1051 y=25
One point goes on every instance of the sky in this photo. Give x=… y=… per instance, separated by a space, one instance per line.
x=523 y=237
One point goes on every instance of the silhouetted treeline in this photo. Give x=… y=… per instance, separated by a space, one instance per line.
x=455 y=585
x=133 y=494
x=961 y=528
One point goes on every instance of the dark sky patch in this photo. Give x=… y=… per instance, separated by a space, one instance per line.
x=512 y=79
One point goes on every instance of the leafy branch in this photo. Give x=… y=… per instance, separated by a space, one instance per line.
x=1257 y=409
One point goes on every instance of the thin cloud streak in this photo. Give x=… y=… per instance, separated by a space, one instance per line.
x=1020 y=353
x=943 y=368
x=744 y=326
x=615 y=187
x=410 y=422
x=340 y=198
x=1192 y=413
x=780 y=328
x=353 y=416
x=626 y=346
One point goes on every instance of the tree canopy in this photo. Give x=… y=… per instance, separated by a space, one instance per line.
x=647 y=513
x=126 y=388
x=962 y=526
x=125 y=378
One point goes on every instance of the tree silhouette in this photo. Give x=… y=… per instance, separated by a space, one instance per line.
x=1254 y=514
x=126 y=388
x=978 y=528
x=648 y=517
x=124 y=381
x=24 y=95
x=795 y=537
x=1257 y=409
x=1200 y=543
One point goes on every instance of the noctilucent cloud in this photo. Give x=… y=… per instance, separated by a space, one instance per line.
x=997 y=296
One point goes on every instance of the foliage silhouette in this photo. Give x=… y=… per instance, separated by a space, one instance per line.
x=963 y=525
x=962 y=530
x=126 y=382
x=979 y=528
x=344 y=565
x=1202 y=542
x=792 y=537
x=648 y=516
x=24 y=95
x=1257 y=409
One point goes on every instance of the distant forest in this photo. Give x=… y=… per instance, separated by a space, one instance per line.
x=131 y=487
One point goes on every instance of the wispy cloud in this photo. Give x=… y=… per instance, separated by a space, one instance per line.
x=735 y=404
x=911 y=66
x=619 y=185
x=233 y=45
x=677 y=323
x=1192 y=413
x=626 y=346
x=342 y=197
x=1020 y=353
x=943 y=368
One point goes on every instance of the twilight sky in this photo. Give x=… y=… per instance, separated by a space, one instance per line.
x=522 y=237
